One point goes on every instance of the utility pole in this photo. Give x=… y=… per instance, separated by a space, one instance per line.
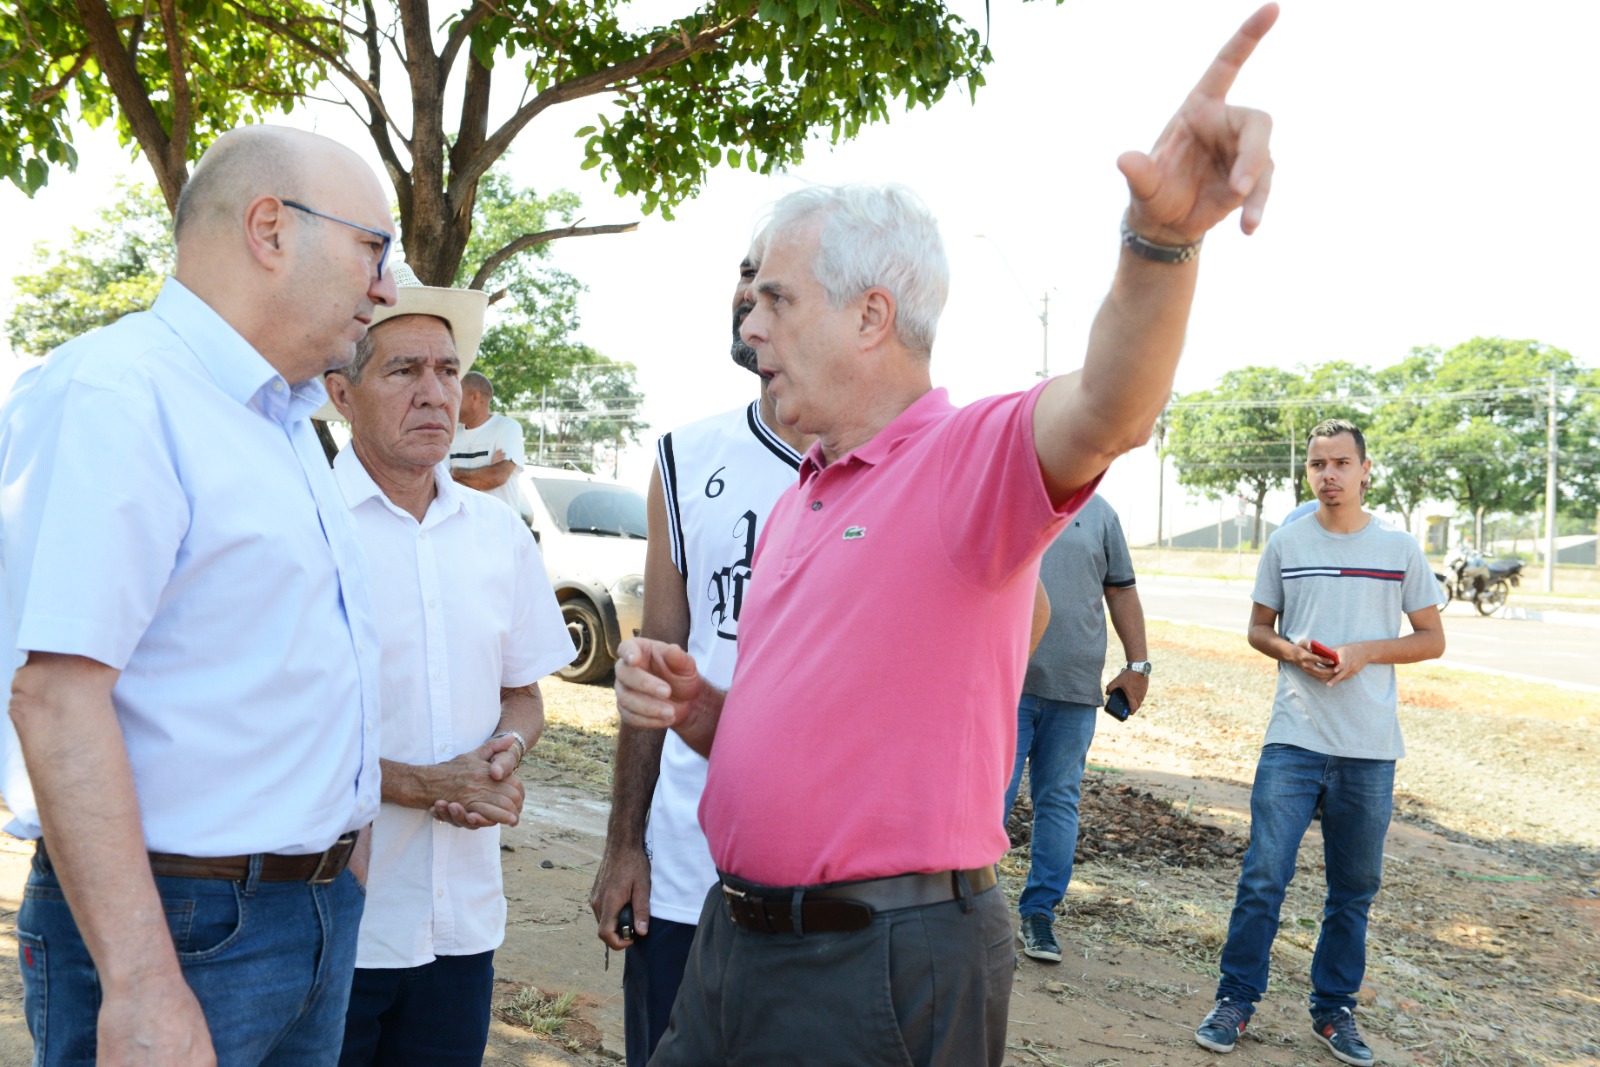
x=1550 y=492
x=1161 y=482
x=1044 y=320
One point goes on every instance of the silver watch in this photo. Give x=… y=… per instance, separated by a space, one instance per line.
x=1141 y=667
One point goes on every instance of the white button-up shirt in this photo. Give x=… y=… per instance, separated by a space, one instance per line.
x=464 y=607
x=166 y=509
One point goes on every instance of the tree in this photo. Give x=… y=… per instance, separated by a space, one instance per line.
x=100 y=275
x=742 y=82
x=1407 y=456
x=1485 y=417
x=589 y=414
x=1247 y=435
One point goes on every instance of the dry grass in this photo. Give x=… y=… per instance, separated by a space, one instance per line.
x=543 y=1013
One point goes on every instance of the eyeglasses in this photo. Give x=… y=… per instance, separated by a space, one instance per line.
x=383 y=256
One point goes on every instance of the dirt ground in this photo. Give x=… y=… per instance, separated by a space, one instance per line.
x=1484 y=945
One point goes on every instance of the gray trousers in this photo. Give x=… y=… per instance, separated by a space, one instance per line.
x=927 y=986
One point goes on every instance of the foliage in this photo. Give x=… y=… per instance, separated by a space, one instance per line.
x=587 y=416
x=741 y=82
x=1247 y=435
x=528 y=349
x=172 y=75
x=98 y=276
x=1466 y=425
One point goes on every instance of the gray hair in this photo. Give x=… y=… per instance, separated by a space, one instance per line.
x=473 y=382
x=872 y=236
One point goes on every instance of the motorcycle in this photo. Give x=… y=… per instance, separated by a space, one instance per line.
x=1484 y=583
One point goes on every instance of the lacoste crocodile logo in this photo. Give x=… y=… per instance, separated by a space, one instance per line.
x=854 y=533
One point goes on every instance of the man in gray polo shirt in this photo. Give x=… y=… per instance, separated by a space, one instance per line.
x=1061 y=697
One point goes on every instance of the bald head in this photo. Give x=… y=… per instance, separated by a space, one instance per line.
x=283 y=233
x=239 y=166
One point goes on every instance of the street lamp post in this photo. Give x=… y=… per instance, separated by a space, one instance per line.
x=1044 y=314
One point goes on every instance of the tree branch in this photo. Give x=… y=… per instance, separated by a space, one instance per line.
x=41 y=95
x=376 y=119
x=529 y=240
x=460 y=33
x=335 y=61
x=659 y=58
x=182 y=99
x=123 y=77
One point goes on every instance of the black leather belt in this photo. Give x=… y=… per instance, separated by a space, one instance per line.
x=318 y=868
x=844 y=907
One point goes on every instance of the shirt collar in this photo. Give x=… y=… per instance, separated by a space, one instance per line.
x=232 y=362
x=925 y=410
x=357 y=487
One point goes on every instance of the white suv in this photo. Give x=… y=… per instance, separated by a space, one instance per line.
x=592 y=533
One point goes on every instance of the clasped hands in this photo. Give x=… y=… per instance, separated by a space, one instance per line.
x=479 y=788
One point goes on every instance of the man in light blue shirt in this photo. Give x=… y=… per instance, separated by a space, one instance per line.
x=195 y=692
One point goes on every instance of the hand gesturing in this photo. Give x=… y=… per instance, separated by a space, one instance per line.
x=1211 y=158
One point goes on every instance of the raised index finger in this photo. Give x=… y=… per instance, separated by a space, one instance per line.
x=1218 y=78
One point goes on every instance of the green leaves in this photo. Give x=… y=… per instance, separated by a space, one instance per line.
x=97 y=276
x=237 y=71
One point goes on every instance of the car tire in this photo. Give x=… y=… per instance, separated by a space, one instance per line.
x=1493 y=597
x=590 y=661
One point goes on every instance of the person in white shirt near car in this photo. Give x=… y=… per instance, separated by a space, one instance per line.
x=487 y=453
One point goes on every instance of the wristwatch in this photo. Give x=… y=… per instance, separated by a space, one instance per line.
x=1140 y=667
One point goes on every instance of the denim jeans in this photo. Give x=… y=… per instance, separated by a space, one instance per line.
x=652 y=971
x=1053 y=736
x=1356 y=797
x=433 y=1015
x=269 y=962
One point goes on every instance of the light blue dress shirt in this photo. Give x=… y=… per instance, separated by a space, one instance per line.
x=166 y=509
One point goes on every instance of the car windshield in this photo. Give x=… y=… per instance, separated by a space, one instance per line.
x=593 y=507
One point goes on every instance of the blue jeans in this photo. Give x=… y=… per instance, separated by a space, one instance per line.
x=269 y=962
x=652 y=971
x=1053 y=736
x=432 y=1015
x=1356 y=797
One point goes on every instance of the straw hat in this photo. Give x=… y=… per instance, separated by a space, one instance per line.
x=462 y=309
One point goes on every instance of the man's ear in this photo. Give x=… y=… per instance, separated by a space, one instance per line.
x=264 y=227
x=877 y=316
x=338 y=387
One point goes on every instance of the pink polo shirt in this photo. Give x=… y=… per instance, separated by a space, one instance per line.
x=871 y=723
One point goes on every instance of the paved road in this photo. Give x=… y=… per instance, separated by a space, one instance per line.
x=1550 y=652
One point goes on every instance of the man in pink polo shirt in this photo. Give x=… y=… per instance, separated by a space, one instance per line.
x=850 y=798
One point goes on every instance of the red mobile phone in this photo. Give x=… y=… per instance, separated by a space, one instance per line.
x=1323 y=651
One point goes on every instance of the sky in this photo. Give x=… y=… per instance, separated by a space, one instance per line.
x=1434 y=161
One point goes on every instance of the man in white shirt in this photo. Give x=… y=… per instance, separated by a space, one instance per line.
x=487 y=452
x=468 y=625
x=195 y=691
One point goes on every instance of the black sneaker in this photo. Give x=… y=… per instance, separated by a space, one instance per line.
x=1339 y=1033
x=1038 y=939
x=1219 y=1031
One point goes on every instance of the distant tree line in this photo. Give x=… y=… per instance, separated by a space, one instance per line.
x=1467 y=425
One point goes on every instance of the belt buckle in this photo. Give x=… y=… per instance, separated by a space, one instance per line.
x=332 y=862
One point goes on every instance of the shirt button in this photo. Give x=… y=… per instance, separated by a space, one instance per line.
x=441 y=894
x=816 y=505
x=277 y=385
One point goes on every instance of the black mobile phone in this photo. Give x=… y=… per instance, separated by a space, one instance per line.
x=1117 y=705
x=625 y=922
